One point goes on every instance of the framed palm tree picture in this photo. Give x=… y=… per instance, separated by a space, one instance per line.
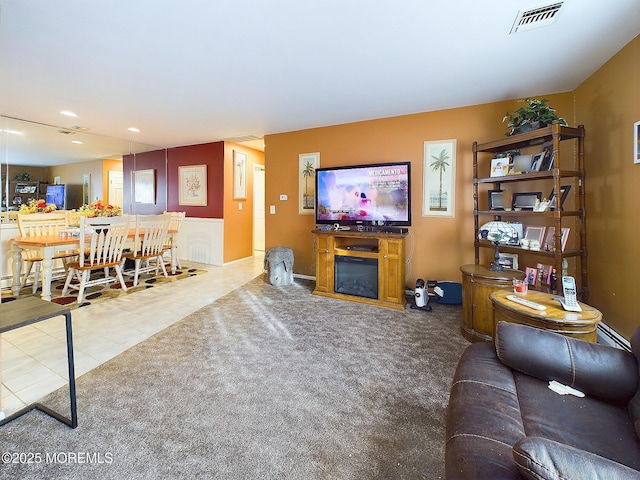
x=438 y=178
x=308 y=162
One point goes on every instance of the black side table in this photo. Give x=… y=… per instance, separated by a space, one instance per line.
x=30 y=310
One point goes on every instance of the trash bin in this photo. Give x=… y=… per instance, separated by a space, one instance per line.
x=279 y=264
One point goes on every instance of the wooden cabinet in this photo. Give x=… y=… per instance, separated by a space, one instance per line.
x=478 y=283
x=567 y=169
x=383 y=254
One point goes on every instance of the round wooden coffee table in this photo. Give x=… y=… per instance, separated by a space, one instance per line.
x=581 y=325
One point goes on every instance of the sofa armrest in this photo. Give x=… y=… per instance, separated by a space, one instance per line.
x=540 y=458
x=600 y=371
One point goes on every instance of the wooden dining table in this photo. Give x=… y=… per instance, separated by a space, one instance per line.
x=48 y=246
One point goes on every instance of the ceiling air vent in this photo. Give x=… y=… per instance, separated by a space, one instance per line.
x=242 y=138
x=536 y=17
x=66 y=132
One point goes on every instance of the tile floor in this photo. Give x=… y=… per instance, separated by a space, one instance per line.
x=33 y=359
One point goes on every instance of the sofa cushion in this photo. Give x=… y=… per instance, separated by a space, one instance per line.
x=539 y=458
x=606 y=373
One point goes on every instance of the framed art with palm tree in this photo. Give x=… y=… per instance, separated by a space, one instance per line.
x=308 y=162
x=438 y=182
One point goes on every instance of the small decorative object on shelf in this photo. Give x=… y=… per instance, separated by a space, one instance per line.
x=99 y=209
x=500 y=233
x=37 y=206
x=534 y=115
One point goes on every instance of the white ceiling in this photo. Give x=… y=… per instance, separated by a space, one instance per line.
x=194 y=71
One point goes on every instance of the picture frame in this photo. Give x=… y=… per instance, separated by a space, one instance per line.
x=86 y=189
x=547 y=162
x=508 y=260
x=144 y=186
x=535 y=233
x=550 y=242
x=307 y=165
x=525 y=200
x=544 y=273
x=519 y=228
x=438 y=181
x=192 y=185
x=636 y=142
x=531 y=275
x=564 y=191
x=56 y=180
x=499 y=167
x=496 y=199
x=239 y=175
x=537 y=161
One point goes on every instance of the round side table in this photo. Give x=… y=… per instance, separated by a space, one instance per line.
x=581 y=325
x=478 y=282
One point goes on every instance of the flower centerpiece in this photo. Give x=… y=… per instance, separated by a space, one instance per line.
x=37 y=206
x=99 y=209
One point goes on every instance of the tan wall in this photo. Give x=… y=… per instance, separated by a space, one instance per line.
x=608 y=103
x=73 y=174
x=238 y=224
x=440 y=245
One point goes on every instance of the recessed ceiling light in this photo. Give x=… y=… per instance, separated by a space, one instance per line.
x=134 y=129
x=68 y=113
x=77 y=142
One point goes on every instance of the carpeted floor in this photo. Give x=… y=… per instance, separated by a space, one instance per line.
x=100 y=293
x=265 y=382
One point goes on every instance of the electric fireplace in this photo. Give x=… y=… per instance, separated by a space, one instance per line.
x=356 y=276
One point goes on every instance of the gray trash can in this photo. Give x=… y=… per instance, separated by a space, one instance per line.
x=279 y=264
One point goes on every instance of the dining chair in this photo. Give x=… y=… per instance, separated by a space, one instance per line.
x=149 y=239
x=175 y=222
x=102 y=239
x=41 y=224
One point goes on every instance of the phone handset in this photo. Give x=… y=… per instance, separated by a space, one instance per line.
x=570 y=300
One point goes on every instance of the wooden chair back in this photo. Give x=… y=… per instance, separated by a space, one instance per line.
x=102 y=239
x=151 y=235
x=42 y=224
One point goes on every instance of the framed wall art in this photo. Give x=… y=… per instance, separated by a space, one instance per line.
x=438 y=183
x=86 y=189
x=192 y=186
x=636 y=142
x=307 y=164
x=144 y=186
x=239 y=175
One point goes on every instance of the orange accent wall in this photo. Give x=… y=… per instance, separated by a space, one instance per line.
x=238 y=224
x=438 y=246
x=608 y=103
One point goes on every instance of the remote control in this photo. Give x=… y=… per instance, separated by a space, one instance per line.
x=526 y=303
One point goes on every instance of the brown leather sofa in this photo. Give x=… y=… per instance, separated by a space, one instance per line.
x=504 y=422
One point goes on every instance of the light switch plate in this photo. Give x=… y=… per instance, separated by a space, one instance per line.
x=272 y=209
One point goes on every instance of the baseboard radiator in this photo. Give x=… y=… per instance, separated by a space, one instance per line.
x=608 y=336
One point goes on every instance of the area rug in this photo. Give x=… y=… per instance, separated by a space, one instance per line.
x=100 y=293
x=265 y=382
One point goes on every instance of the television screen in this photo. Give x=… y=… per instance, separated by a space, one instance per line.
x=364 y=194
x=56 y=194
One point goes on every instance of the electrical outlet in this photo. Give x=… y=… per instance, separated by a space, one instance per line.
x=284 y=197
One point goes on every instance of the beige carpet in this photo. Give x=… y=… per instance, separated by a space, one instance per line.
x=265 y=382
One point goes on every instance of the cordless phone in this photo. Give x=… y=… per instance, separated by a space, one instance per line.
x=569 y=302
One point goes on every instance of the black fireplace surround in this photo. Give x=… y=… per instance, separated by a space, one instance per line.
x=356 y=276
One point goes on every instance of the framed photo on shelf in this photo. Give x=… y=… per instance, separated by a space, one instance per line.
x=509 y=260
x=547 y=161
x=564 y=191
x=535 y=234
x=499 y=167
x=531 y=275
x=526 y=200
x=496 y=200
x=550 y=242
x=544 y=273
x=519 y=228
x=537 y=161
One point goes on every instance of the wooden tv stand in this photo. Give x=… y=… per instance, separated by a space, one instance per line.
x=386 y=248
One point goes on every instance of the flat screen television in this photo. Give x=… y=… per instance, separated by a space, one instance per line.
x=375 y=194
x=57 y=194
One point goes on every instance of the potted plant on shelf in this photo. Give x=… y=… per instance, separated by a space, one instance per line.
x=535 y=114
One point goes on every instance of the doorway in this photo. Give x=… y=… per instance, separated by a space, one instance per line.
x=258 y=209
x=116 y=189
